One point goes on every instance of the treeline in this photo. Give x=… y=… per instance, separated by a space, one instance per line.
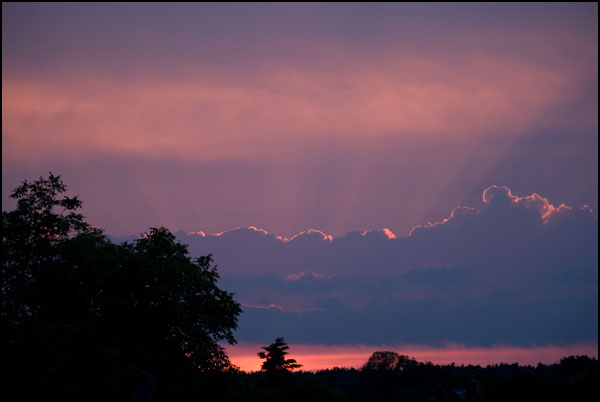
x=574 y=378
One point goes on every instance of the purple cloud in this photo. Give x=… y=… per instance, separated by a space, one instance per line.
x=520 y=270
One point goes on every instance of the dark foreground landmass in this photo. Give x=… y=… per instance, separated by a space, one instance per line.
x=575 y=378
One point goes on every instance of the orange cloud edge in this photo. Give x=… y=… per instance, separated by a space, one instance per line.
x=546 y=209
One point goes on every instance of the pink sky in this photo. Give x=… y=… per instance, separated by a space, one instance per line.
x=287 y=120
x=342 y=119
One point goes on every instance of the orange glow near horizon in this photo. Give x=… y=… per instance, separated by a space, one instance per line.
x=320 y=357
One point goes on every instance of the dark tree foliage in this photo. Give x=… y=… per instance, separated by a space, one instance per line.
x=81 y=316
x=275 y=360
x=386 y=360
x=575 y=377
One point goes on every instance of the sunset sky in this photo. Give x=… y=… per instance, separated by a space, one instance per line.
x=364 y=174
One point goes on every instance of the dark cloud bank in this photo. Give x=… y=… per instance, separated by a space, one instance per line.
x=519 y=271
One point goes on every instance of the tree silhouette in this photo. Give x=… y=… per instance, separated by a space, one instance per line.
x=386 y=360
x=81 y=315
x=275 y=361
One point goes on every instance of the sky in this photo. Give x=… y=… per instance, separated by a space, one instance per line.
x=373 y=174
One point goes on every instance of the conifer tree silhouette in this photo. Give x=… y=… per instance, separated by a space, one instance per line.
x=275 y=360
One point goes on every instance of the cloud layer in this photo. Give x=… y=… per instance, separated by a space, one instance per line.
x=520 y=270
